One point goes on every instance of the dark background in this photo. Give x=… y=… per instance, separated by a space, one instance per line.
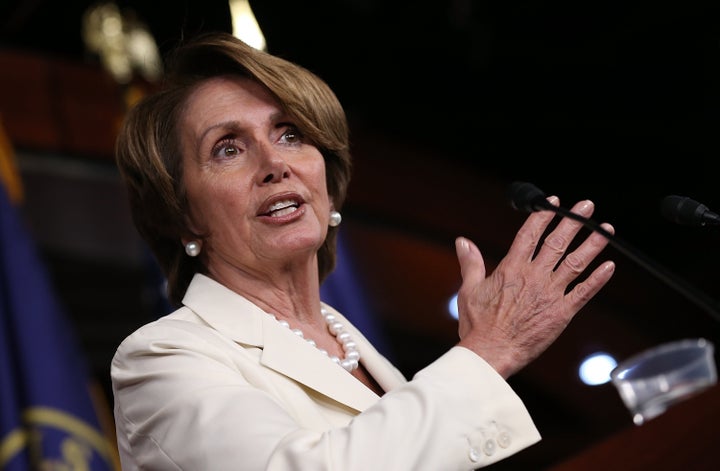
x=449 y=102
x=616 y=101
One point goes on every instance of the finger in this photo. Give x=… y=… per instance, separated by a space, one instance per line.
x=557 y=242
x=578 y=260
x=528 y=236
x=472 y=264
x=472 y=270
x=584 y=291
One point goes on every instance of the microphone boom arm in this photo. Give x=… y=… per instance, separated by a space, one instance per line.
x=534 y=200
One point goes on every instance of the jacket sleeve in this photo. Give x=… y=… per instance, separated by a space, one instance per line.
x=182 y=403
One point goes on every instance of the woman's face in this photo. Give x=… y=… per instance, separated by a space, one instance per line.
x=254 y=185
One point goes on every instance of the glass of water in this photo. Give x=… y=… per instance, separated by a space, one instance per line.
x=653 y=380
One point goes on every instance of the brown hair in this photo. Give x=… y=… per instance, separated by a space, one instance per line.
x=149 y=157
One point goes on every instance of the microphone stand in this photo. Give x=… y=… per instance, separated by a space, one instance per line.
x=689 y=291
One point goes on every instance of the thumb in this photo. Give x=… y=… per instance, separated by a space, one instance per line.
x=472 y=264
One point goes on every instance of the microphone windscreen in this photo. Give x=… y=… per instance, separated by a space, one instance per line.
x=683 y=210
x=525 y=196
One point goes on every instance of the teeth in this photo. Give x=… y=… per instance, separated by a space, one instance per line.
x=281 y=204
x=281 y=208
x=283 y=212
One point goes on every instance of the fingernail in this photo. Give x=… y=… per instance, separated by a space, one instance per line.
x=586 y=206
x=462 y=244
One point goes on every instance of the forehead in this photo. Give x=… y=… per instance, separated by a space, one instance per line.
x=227 y=99
x=216 y=91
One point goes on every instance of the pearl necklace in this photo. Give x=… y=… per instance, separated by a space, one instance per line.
x=352 y=355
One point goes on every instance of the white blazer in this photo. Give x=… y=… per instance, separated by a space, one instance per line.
x=220 y=385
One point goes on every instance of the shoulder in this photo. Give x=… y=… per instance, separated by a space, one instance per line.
x=182 y=329
x=179 y=320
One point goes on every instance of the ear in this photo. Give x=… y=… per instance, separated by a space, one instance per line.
x=190 y=230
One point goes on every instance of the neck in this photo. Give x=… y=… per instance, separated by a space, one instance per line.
x=292 y=294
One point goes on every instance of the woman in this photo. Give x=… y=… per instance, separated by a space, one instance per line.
x=236 y=172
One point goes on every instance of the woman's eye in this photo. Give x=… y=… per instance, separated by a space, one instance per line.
x=292 y=136
x=225 y=149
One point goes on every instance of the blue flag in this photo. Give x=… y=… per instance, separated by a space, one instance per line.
x=343 y=291
x=48 y=419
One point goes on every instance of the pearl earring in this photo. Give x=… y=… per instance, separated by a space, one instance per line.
x=192 y=248
x=335 y=219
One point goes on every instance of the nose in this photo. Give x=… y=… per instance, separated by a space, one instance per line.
x=274 y=177
x=274 y=168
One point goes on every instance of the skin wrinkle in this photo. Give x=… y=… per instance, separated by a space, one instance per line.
x=514 y=292
x=575 y=263
x=530 y=239
x=580 y=292
x=558 y=243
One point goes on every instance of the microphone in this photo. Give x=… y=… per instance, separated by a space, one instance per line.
x=688 y=212
x=526 y=196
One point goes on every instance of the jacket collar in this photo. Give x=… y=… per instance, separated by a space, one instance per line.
x=245 y=323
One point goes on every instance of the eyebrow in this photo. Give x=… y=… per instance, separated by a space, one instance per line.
x=276 y=117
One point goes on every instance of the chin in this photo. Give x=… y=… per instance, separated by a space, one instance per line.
x=300 y=242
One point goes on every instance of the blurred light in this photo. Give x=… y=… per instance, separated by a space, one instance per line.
x=453 y=307
x=244 y=24
x=596 y=368
x=142 y=50
x=123 y=42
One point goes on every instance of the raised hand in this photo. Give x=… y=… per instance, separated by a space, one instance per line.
x=513 y=315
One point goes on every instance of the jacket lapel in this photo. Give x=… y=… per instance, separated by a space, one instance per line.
x=286 y=353
x=384 y=372
x=242 y=321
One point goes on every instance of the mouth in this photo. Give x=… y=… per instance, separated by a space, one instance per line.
x=282 y=208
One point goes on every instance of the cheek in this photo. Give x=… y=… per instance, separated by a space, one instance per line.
x=320 y=182
x=209 y=205
x=221 y=216
x=198 y=214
